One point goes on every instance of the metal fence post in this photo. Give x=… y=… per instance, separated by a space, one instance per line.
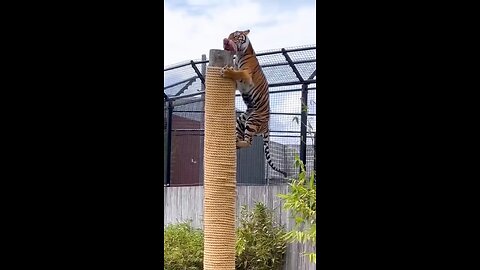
x=204 y=70
x=303 y=126
x=204 y=73
x=304 y=119
x=169 y=140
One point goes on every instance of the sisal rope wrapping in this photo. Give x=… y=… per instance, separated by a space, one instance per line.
x=220 y=172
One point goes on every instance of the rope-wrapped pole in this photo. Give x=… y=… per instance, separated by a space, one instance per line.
x=220 y=165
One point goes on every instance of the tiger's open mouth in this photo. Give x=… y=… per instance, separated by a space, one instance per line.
x=229 y=45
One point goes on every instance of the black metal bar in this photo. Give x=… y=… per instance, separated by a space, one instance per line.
x=174 y=67
x=291 y=90
x=189 y=95
x=291 y=83
x=284 y=64
x=294 y=68
x=200 y=75
x=286 y=90
x=192 y=129
x=303 y=126
x=258 y=54
x=185 y=87
x=288 y=50
x=310 y=114
x=275 y=113
x=204 y=61
x=270 y=85
x=204 y=69
x=180 y=82
x=285 y=131
x=183 y=111
x=272 y=136
x=288 y=136
x=279 y=135
x=276 y=64
x=169 y=140
x=303 y=120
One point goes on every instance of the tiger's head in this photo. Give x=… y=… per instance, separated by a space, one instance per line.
x=236 y=41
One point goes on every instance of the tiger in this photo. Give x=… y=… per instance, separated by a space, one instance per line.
x=253 y=86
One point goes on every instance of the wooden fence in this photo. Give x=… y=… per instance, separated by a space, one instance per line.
x=186 y=203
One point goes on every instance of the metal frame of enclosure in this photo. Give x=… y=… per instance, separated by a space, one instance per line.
x=291 y=74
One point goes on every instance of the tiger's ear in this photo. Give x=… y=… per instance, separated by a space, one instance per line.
x=246 y=32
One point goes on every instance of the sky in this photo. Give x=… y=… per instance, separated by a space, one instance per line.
x=193 y=27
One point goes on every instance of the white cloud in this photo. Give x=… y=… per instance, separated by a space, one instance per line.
x=189 y=34
x=204 y=3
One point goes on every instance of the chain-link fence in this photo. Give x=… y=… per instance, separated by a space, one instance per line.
x=291 y=74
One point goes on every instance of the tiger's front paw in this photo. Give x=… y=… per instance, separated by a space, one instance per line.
x=238 y=140
x=242 y=144
x=225 y=71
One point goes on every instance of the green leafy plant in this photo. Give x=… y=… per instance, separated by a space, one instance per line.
x=182 y=247
x=260 y=243
x=301 y=201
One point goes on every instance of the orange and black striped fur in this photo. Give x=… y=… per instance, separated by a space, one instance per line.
x=253 y=86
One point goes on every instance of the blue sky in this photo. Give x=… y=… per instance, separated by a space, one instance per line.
x=193 y=27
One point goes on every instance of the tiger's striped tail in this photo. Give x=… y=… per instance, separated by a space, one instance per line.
x=266 y=148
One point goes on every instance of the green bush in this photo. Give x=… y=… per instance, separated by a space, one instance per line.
x=260 y=244
x=302 y=202
x=182 y=247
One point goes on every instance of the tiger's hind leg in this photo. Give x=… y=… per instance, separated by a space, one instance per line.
x=240 y=129
x=249 y=131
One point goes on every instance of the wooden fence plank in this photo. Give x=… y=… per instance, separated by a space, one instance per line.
x=186 y=203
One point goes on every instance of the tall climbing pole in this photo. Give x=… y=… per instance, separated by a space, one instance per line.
x=220 y=165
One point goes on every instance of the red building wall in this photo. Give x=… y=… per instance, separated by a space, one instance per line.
x=187 y=152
